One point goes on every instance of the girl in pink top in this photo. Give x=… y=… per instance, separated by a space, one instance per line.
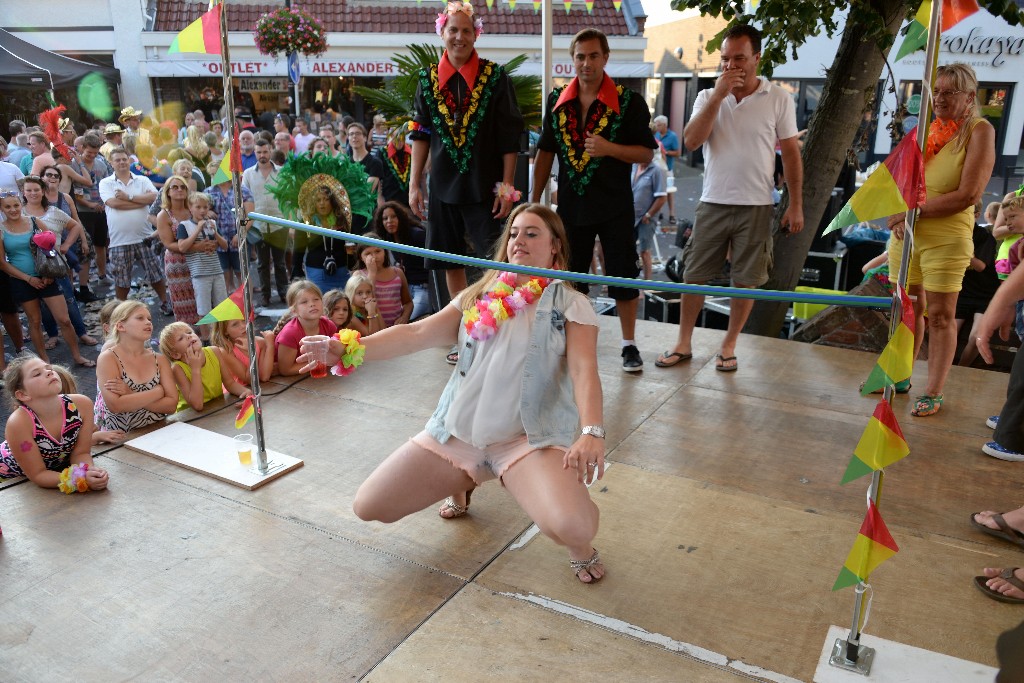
x=393 y=299
x=307 y=305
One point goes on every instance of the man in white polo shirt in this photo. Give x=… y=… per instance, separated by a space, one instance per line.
x=738 y=122
x=127 y=198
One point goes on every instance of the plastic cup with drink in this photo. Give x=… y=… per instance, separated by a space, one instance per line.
x=317 y=347
x=244 y=446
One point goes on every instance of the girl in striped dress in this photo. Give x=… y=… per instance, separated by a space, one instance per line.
x=393 y=298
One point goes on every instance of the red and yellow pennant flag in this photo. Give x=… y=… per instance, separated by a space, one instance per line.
x=229 y=309
x=881 y=444
x=230 y=164
x=590 y=6
x=953 y=12
x=896 y=186
x=897 y=359
x=568 y=5
x=617 y=4
x=247 y=413
x=202 y=35
x=874 y=545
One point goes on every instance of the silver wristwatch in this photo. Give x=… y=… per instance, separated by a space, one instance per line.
x=593 y=430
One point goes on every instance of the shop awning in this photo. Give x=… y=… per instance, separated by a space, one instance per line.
x=24 y=65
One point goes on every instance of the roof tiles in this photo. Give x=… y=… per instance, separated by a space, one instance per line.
x=365 y=17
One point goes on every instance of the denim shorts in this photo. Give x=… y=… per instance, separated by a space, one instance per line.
x=229 y=261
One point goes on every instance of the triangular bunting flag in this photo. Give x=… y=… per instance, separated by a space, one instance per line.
x=537 y=5
x=897 y=360
x=230 y=164
x=202 y=35
x=617 y=4
x=874 y=545
x=229 y=309
x=896 y=186
x=246 y=413
x=590 y=6
x=490 y=4
x=568 y=5
x=881 y=444
x=953 y=12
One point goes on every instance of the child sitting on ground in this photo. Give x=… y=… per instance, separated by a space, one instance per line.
x=198 y=370
x=389 y=284
x=203 y=266
x=229 y=336
x=68 y=385
x=338 y=308
x=307 y=304
x=41 y=409
x=366 y=319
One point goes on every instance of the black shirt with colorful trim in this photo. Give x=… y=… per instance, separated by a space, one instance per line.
x=592 y=190
x=470 y=130
x=394 y=184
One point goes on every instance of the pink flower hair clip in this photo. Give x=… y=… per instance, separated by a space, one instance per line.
x=452 y=8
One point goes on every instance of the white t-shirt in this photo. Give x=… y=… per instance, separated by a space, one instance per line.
x=55 y=221
x=486 y=410
x=302 y=142
x=739 y=155
x=127 y=226
x=9 y=176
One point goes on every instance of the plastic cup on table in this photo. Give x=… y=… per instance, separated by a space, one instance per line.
x=244 y=446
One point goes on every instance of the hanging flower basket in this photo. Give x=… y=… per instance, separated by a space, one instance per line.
x=290 y=30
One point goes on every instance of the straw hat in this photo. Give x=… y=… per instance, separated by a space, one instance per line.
x=310 y=192
x=113 y=129
x=129 y=113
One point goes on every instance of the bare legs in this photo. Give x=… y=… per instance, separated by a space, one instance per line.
x=413 y=478
x=739 y=311
x=456 y=280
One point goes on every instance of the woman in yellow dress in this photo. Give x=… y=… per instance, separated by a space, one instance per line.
x=959 y=158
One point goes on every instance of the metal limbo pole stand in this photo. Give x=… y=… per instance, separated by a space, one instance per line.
x=850 y=654
x=262 y=466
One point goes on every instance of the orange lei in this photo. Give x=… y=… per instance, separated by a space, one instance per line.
x=940 y=133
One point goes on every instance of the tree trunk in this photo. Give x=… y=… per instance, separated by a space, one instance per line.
x=852 y=79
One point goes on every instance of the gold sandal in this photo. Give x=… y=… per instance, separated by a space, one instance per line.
x=578 y=566
x=449 y=505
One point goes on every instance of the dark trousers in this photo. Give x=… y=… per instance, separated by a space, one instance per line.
x=265 y=255
x=1010 y=430
x=50 y=323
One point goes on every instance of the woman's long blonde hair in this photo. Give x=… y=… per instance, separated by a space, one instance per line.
x=963 y=78
x=470 y=294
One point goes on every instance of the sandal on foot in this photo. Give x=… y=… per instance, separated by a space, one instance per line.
x=453 y=356
x=578 y=566
x=1005 y=532
x=1007 y=575
x=88 y=340
x=456 y=510
x=900 y=387
x=926 y=405
x=720 y=363
x=51 y=343
x=86 y=363
x=668 y=359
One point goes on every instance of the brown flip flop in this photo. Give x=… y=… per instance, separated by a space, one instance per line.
x=981 y=583
x=722 y=367
x=671 y=359
x=1005 y=532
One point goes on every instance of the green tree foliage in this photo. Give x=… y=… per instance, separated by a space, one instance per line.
x=396 y=99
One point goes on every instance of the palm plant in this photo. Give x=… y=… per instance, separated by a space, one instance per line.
x=396 y=100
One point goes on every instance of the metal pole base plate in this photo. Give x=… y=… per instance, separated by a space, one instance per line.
x=272 y=467
x=865 y=656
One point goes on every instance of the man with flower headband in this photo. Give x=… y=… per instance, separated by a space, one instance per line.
x=595 y=195
x=468 y=120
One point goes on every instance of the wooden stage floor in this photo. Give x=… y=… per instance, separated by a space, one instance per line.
x=723 y=528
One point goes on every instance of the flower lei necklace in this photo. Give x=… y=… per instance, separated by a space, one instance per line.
x=940 y=132
x=457 y=135
x=499 y=303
